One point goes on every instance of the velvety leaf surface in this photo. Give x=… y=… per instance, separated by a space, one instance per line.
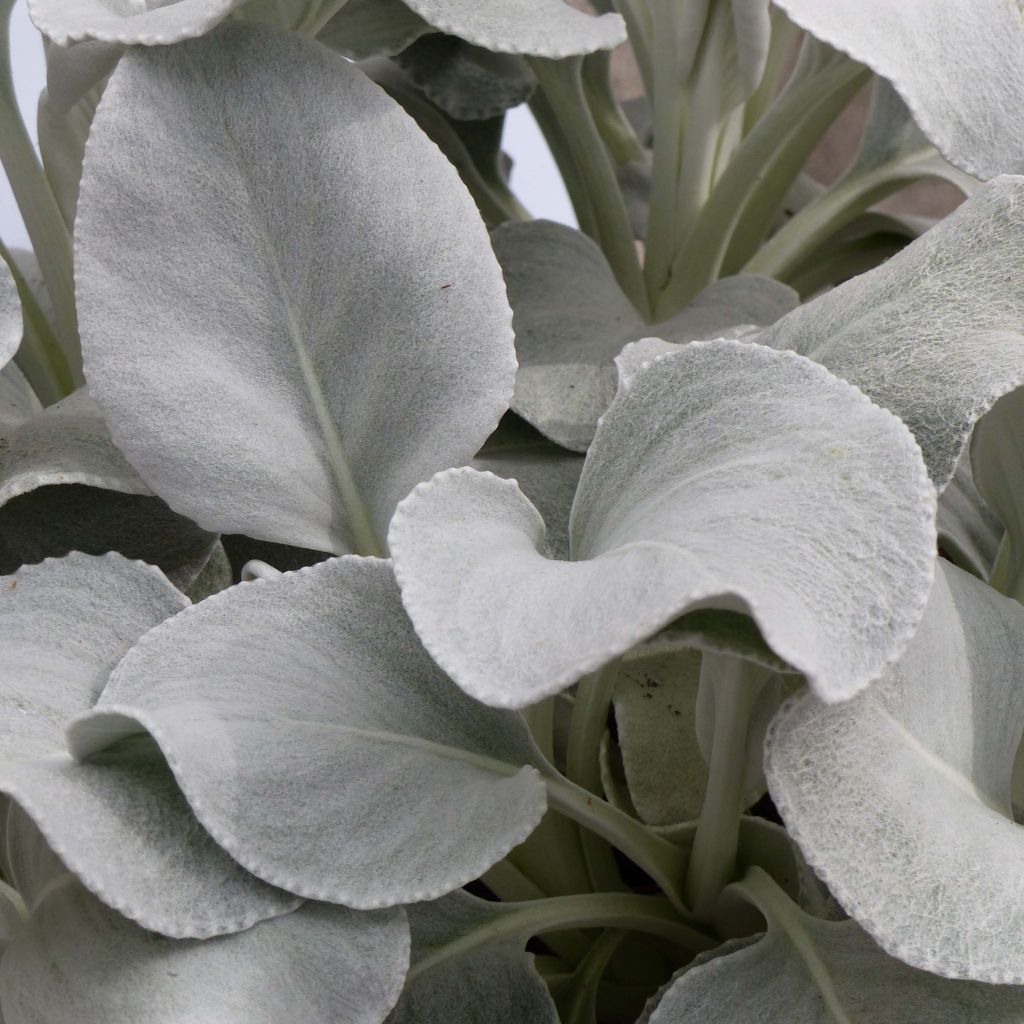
x=832 y=554
x=969 y=532
x=572 y=319
x=936 y=334
x=327 y=299
x=119 y=823
x=540 y=28
x=318 y=743
x=959 y=67
x=900 y=799
x=752 y=981
x=149 y=22
x=76 y=960
x=497 y=983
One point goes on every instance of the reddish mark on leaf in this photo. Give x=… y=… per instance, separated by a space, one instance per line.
x=446 y=285
x=14 y=584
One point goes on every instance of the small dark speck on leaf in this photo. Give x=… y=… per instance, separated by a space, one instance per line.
x=14 y=584
x=446 y=286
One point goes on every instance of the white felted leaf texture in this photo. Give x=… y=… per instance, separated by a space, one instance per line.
x=304 y=318
x=538 y=28
x=75 y=961
x=726 y=475
x=319 y=744
x=119 y=823
x=958 y=66
x=936 y=334
x=751 y=982
x=900 y=799
x=146 y=22
x=10 y=316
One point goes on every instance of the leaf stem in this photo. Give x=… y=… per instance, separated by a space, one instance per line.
x=736 y=685
x=561 y=84
x=44 y=222
x=653 y=915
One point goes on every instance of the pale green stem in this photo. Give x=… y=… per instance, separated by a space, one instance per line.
x=255 y=569
x=653 y=915
x=610 y=121
x=763 y=891
x=667 y=96
x=784 y=36
x=540 y=720
x=831 y=211
x=39 y=356
x=583 y=763
x=637 y=16
x=44 y=222
x=746 y=198
x=736 y=684
x=579 y=999
x=662 y=860
x=562 y=85
x=317 y=20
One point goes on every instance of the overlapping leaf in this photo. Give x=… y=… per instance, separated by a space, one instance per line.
x=120 y=824
x=937 y=333
x=572 y=319
x=75 y=959
x=327 y=300
x=726 y=475
x=959 y=67
x=146 y=22
x=900 y=799
x=320 y=745
x=10 y=316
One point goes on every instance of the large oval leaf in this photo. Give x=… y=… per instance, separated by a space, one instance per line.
x=959 y=67
x=76 y=960
x=900 y=799
x=320 y=745
x=288 y=349
x=726 y=475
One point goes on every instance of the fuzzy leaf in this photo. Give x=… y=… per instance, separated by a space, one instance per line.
x=119 y=823
x=497 y=983
x=920 y=340
x=65 y=487
x=832 y=555
x=146 y=22
x=327 y=300
x=900 y=799
x=754 y=980
x=960 y=68
x=538 y=28
x=969 y=532
x=76 y=960
x=320 y=745
x=572 y=319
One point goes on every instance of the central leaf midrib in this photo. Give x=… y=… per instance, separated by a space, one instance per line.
x=357 y=513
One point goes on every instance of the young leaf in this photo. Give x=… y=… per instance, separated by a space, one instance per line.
x=936 y=334
x=327 y=300
x=832 y=555
x=497 y=983
x=373 y=28
x=960 y=68
x=120 y=823
x=900 y=799
x=538 y=28
x=320 y=745
x=146 y=22
x=76 y=960
x=572 y=319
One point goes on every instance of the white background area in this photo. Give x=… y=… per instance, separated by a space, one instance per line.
x=534 y=176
